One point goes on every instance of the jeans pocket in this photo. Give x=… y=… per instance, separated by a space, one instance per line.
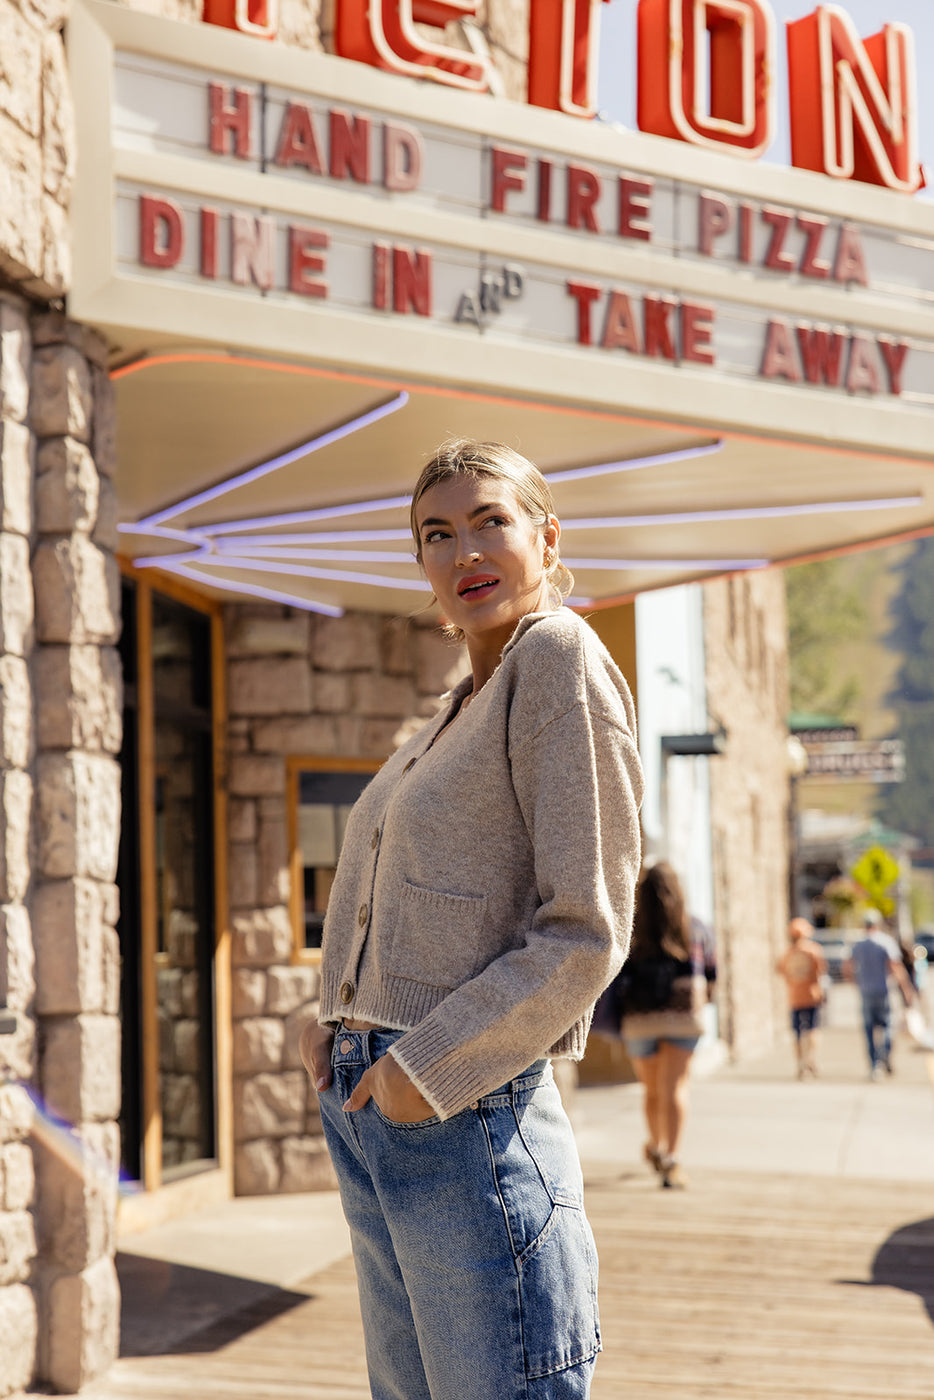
x=558 y=1290
x=403 y=1127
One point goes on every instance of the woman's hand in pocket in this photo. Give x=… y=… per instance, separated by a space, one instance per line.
x=393 y=1092
x=314 y=1046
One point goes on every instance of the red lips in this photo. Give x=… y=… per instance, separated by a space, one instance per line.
x=475 y=583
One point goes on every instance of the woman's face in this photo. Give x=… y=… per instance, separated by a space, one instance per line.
x=483 y=556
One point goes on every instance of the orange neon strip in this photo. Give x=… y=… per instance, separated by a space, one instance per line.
x=501 y=400
x=395 y=385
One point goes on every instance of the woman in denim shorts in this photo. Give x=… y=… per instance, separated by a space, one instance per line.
x=482 y=901
x=662 y=993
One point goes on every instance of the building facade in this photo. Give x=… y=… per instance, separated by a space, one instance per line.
x=247 y=282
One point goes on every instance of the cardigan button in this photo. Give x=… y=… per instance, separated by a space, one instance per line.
x=374 y=840
x=410 y=764
x=348 y=991
x=362 y=915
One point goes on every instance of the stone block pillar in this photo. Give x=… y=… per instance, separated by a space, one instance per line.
x=18 y=1316
x=73 y=903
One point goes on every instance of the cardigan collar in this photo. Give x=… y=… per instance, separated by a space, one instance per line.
x=456 y=694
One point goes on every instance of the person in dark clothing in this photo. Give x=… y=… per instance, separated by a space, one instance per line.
x=662 y=994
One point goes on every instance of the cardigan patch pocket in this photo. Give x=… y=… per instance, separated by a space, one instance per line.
x=436 y=938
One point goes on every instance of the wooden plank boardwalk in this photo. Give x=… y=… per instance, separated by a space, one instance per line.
x=744 y=1287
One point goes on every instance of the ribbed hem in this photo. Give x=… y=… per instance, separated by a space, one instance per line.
x=433 y=1059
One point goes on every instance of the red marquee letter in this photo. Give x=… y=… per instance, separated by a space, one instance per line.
x=585 y=294
x=854 y=109
x=564 y=38
x=403 y=156
x=297 y=143
x=411 y=281
x=821 y=354
x=508 y=173
x=161 y=232
x=235 y=120
x=384 y=34
x=305 y=260
x=681 y=42
x=583 y=193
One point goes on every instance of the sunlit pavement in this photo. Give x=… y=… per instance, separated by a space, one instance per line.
x=794 y=1264
x=758 y=1117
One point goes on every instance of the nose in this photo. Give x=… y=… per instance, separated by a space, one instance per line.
x=467 y=552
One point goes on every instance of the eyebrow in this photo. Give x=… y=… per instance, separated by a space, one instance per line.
x=479 y=510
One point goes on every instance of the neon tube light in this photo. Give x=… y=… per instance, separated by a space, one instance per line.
x=339 y=575
x=634 y=464
x=252 y=590
x=363 y=420
x=740 y=513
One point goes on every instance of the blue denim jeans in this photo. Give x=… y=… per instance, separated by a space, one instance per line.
x=475 y=1263
x=877 y=1015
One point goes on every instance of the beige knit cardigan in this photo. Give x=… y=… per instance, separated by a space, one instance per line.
x=484 y=893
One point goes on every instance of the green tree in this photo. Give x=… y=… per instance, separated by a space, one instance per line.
x=909 y=805
x=824 y=613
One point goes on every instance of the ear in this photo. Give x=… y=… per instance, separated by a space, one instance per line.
x=552 y=532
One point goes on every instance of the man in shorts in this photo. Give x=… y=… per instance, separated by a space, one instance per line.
x=803 y=967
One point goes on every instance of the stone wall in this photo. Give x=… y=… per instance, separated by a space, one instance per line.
x=37 y=150
x=314 y=686
x=747 y=686
x=59 y=834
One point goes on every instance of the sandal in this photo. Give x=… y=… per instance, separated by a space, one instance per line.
x=674 y=1177
x=653 y=1157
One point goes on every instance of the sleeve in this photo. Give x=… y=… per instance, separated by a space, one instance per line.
x=578 y=783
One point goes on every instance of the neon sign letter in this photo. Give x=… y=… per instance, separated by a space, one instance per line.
x=383 y=33
x=564 y=38
x=681 y=42
x=853 y=102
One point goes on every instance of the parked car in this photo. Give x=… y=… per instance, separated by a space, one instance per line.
x=925 y=937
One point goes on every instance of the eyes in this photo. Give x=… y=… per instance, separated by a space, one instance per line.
x=437 y=533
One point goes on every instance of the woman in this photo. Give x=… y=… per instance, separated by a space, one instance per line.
x=482 y=901
x=661 y=996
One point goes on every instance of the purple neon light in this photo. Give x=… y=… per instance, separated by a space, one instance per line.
x=233 y=543
x=372 y=556
x=339 y=575
x=363 y=420
x=634 y=464
x=326 y=556
x=253 y=590
x=742 y=513
x=162 y=532
x=300 y=517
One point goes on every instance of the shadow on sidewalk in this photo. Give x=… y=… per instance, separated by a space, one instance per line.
x=174 y=1308
x=906 y=1262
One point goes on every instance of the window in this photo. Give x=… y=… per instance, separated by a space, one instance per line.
x=321 y=793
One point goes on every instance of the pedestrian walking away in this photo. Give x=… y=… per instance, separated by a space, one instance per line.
x=482 y=901
x=803 y=966
x=662 y=992
x=872 y=961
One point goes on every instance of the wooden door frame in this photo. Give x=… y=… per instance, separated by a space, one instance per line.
x=157 y=1201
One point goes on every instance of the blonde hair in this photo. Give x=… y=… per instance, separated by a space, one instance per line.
x=465 y=457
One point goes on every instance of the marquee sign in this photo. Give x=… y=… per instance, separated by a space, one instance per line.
x=706 y=71
x=286 y=135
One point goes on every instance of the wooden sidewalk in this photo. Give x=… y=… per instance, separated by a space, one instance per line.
x=744 y=1287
